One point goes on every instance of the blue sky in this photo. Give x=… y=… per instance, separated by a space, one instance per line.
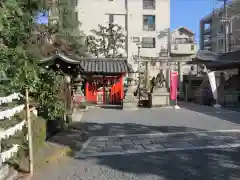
x=42 y=18
x=189 y=12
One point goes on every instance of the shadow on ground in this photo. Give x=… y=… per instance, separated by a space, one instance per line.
x=190 y=165
x=82 y=131
x=117 y=107
x=224 y=114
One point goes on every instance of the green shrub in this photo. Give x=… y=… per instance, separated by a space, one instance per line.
x=38 y=132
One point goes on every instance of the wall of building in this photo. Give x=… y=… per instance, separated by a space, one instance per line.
x=128 y=14
x=183 y=48
x=216 y=29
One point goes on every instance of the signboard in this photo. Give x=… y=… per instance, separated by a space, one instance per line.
x=173 y=85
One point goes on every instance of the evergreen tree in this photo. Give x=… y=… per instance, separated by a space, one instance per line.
x=62 y=34
x=18 y=59
x=107 y=41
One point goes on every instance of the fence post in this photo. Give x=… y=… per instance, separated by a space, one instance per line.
x=29 y=125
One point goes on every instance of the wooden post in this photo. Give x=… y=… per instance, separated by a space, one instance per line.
x=29 y=125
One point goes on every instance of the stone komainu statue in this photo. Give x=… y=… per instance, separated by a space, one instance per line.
x=160 y=79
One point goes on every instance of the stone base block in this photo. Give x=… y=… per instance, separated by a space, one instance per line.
x=130 y=106
x=160 y=100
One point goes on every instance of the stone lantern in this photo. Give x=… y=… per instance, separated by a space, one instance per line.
x=130 y=101
x=67 y=79
x=78 y=83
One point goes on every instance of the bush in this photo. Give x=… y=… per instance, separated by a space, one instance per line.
x=38 y=132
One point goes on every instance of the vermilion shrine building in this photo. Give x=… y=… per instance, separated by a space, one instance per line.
x=102 y=77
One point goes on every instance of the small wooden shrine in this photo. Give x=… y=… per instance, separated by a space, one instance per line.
x=99 y=79
x=104 y=80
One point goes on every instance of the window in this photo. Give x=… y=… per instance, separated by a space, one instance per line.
x=221 y=42
x=192 y=47
x=111 y=18
x=76 y=16
x=149 y=4
x=149 y=23
x=222 y=28
x=148 y=42
x=181 y=40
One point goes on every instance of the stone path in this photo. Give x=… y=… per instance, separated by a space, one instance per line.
x=143 y=143
x=151 y=144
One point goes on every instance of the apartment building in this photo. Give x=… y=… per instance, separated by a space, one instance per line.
x=220 y=32
x=142 y=21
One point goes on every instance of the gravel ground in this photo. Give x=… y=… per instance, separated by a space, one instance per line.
x=179 y=165
x=194 y=165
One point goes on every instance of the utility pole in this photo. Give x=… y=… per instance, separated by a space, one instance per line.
x=169 y=44
x=138 y=59
x=225 y=24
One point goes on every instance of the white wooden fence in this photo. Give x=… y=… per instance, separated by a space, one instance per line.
x=6 y=133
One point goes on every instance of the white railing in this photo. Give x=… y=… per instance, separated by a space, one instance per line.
x=10 y=98
x=6 y=133
x=12 y=130
x=6 y=155
x=11 y=112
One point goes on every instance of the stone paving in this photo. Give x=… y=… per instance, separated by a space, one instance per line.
x=116 y=145
x=137 y=145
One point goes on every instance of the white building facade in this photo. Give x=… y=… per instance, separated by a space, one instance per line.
x=183 y=42
x=142 y=20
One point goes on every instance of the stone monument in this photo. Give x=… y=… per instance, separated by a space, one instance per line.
x=130 y=102
x=160 y=93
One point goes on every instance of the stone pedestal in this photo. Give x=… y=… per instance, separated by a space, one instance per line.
x=160 y=97
x=130 y=102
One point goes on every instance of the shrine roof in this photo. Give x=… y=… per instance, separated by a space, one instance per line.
x=92 y=64
x=105 y=66
x=59 y=56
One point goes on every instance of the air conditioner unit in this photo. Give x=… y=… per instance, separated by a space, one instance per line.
x=136 y=39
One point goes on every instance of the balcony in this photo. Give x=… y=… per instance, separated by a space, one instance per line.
x=183 y=49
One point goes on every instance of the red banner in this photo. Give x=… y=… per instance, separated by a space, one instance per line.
x=173 y=85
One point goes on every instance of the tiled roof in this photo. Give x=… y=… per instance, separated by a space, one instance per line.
x=94 y=65
x=230 y=56
x=105 y=66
